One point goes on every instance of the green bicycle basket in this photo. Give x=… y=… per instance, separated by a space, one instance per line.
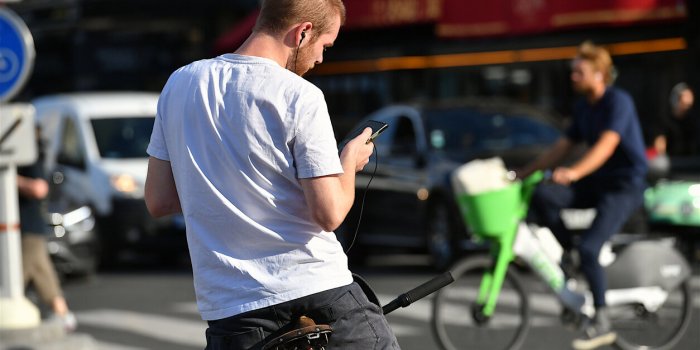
x=492 y=214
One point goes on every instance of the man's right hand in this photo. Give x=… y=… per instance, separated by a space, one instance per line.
x=359 y=149
x=330 y=197
x=565 y=176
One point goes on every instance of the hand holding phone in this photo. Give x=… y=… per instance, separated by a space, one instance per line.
x=377 y=128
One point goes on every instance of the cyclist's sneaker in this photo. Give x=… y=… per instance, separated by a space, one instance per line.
x=597 y=334
x=594 y=339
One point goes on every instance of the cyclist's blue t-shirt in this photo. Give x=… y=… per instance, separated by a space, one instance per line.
x=614 y=111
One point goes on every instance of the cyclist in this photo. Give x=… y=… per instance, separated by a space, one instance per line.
x=610 y=176
x=243 y=146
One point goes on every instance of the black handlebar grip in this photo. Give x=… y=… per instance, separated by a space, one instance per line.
x=419 y=292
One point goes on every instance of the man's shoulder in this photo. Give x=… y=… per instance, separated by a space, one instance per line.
x=617 y=93
x=299 y=86
x=190 y=69
x=198 y=64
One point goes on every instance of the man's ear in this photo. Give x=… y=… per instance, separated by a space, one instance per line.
x=305 y=28
x=598 y=76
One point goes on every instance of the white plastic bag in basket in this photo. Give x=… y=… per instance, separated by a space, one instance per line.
x=480 y=175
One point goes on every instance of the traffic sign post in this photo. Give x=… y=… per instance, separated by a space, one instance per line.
x=17 y=147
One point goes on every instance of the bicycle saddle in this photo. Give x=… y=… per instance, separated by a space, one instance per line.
x=307 y=335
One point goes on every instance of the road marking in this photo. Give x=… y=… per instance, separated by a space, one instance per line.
x=405 y=322
x=186 y=308
x=170 y=329
x=101 y=345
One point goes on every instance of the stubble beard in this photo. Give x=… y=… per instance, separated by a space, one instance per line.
x=298 y=61
x=580 y=88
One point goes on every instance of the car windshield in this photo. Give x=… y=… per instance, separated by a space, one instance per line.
x=473 y=131
x=123 y=137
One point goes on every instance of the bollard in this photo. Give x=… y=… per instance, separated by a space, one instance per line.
x=15 y=310
x=17 y=146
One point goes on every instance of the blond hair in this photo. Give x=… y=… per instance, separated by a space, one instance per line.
x=599 y=58
x=278 y=15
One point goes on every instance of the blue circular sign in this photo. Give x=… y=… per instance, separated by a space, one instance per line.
x=16 y=54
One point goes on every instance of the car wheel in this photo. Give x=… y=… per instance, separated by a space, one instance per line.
x=439 y=236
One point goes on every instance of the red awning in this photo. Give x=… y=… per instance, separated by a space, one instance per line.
x=360 y=14
x=471 y=18
x=384 y=13
x=462 y=18
x=234 y=37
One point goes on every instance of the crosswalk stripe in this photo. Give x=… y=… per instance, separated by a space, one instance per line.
x=186 y=308
x=173 y=330
x=101 y=345
x=178 y=330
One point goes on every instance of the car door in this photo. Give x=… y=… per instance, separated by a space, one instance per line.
x=391 y=216
x=70 y=185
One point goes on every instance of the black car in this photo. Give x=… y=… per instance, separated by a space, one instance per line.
x=409 y=204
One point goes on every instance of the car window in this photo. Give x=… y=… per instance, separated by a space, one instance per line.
x=120 y=138
x=460 y=130
x=70 y=150
x=404 y=140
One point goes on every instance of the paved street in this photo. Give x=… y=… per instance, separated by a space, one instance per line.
x=148 y=307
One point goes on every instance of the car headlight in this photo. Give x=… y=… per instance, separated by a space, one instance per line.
x=124 y=183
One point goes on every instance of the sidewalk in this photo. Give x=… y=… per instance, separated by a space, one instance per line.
x=48 y=336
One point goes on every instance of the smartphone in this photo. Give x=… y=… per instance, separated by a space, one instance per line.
x=377 y=128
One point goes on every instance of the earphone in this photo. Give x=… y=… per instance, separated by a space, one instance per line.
x=303 y=35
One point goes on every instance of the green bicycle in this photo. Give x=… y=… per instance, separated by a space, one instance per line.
x=488 y=307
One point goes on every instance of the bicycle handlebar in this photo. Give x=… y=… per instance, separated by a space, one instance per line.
x=419 y=292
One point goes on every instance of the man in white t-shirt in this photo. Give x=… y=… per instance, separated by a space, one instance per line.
x=243 y=146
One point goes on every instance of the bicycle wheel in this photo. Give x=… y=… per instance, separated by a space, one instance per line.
x=458 y=322
x=638 y=328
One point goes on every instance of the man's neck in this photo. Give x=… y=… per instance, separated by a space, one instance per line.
x=266 y=46
x=596 y=93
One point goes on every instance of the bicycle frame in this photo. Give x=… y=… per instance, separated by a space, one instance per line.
x=524 y=244
x=520 y=241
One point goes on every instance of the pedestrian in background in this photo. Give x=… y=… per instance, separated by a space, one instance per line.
x=609 y=177
x=243 y=146
x=38 y=270
x=678 y=134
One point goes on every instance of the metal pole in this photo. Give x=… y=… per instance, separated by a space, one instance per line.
x=16 y=42
x=16 y=311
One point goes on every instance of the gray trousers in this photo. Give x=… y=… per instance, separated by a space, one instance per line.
x=357 y=323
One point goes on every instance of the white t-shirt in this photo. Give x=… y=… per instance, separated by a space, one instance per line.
x=239 y=132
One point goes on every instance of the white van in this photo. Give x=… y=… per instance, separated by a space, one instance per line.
x=96 y=155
